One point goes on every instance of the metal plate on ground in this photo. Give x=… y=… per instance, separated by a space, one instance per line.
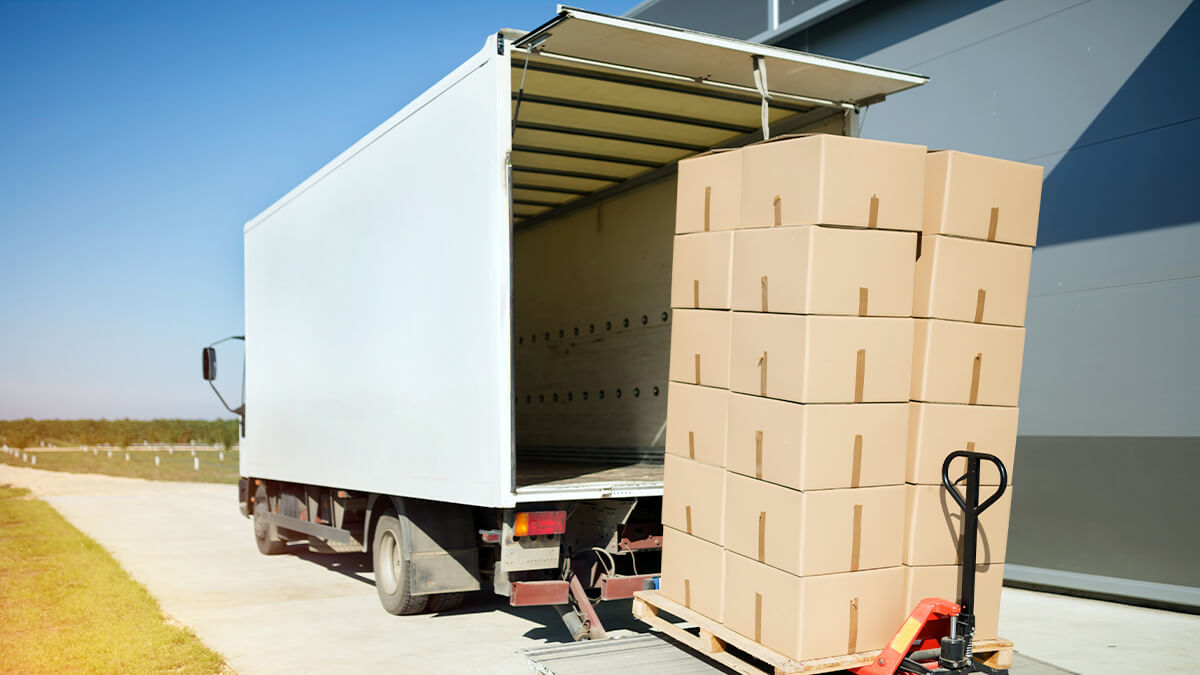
x=633 y=655
x=652 y=654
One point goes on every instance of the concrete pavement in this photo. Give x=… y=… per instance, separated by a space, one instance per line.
x=1093 y=637
x=294 y=613
x=305 y=612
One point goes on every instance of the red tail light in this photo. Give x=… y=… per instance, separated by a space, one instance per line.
x=540 y=522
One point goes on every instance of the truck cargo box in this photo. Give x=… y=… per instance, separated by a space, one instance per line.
x=472 y=303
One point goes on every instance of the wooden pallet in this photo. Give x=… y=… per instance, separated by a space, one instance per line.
x=743 y=655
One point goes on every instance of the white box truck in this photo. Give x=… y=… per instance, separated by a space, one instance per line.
x=457 y=331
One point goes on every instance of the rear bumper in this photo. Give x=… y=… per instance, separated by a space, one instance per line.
x=534 y=593
x=623 y=587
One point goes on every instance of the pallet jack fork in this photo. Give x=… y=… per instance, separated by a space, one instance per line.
x=937 y=636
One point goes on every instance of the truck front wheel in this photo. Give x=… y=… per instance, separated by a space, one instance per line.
x=265 y=535
x=393 y=577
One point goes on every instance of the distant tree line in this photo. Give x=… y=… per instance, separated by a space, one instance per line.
x=29 y=433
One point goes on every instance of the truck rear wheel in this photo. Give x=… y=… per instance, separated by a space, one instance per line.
x=444 y=602
x=393 y=577
x=265 y=534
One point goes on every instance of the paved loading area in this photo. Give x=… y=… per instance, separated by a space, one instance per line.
x=305 y=612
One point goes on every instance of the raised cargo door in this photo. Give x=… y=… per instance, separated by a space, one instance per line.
x=711 y=60
x=602 y=104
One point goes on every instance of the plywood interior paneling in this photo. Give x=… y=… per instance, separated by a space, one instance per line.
x=593 y=327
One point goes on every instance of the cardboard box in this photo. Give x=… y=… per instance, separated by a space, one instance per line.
x=816 y=532
x=700 y=272
x=937 y=429
x=709 y=192
x=816 y=447
x=700 y=347
x=933 y=527
x=833 y=180
x=813 y=617
x=982 y=197
x=824 y=270
x=696 y=422
x=942 y=581
x=693 y=498
x=821 y=359
x=978 y=281
x=957 y=362
x=693 y=572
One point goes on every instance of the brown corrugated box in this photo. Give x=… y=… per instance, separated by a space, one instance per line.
x=942 y=581
x=709 y=192
x=693 y=572
x=958 y=362
x=965 y=280
x=982 y=197
x=700 y=270
x=936 y=429
x=700 y=347
x=696 y=422
x=813 y=617
x=933 y=526
x=815 y=532
x=821 y=359
x=693 y=498
x=833 y=180
x=823 y=270
x=815 y=447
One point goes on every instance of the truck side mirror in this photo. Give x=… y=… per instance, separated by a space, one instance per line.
x=210 y=363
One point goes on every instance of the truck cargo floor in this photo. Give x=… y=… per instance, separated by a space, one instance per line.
x=585 y=480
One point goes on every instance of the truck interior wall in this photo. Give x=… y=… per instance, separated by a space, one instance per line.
x=592 y=319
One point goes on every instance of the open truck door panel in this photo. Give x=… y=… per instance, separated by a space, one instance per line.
x=465 y=317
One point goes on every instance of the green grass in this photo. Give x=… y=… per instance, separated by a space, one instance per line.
x=67 y=606
x=140 y=465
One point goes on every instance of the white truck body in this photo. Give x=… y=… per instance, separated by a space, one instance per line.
x=378 y=310
x=381 y=317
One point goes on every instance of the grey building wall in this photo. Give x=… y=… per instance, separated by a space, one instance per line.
x=1102 y=94
x=721 y=17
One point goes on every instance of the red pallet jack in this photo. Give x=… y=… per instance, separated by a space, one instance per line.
x=936 y=638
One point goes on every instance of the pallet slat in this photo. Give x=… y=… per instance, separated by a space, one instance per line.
x=713 y=638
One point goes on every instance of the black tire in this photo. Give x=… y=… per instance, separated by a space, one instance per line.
x=444 y=602
x=265 y=535
x=393 y=582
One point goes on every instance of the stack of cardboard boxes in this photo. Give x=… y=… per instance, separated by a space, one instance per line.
x=972 y=281
x=793 y=363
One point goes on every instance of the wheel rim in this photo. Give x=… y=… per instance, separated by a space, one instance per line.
x=389 y=563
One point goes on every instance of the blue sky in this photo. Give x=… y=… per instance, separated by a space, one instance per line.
x=137 y=138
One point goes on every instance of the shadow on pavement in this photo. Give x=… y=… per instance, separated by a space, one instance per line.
x=616 y=615
x=356 y=566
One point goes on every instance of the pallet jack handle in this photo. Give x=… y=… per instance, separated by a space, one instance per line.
x=922 y=638
x=972 y=508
